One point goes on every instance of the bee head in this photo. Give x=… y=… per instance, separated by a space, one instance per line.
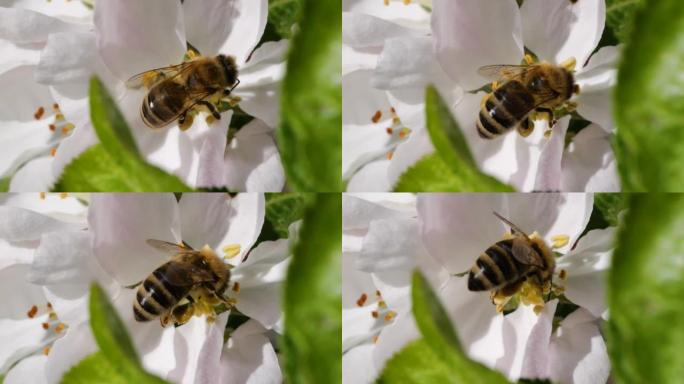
x=229 y=68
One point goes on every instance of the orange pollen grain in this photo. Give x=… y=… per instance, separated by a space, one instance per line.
x=389 y=130
x=60 y=327
x=378 y=294
x=39 y=113
x=362 y=300
x=32 y=312
x=52 y=127
x=46 y=350
x=49 y=305
x=53 y=152
x=55 y=106
x=46 y=326
x=390 y=315
x=375 y=314
x=236 y=287
x=376 y=117
x=393 y=110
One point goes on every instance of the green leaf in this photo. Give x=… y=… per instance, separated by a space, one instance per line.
x=311 y=343
x=110 y=125
x=117 y=361
x=283 y=209
x=94 y=369
x=5 y=184
x=96 y=171
x=648 y=103
x=620 y=15
x=432 y=174
x=610 y=205
x=309 y=136
x=453 y=169
x=114 y=165
x=438 y=332
x=109 y=331
x=645 y=290
x=283 y=14
x=416 y=363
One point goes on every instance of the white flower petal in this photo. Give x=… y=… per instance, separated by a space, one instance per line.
x=363 y=31
x=19 y=224
x=203 y=342
x=586 y=266
x=18 y=55
x=398 y=12
x=29 y=370
x=557 y=30
x=252 y=161
x=262 y=303
x=266 y=65
x=358 y=326
x=526 y=342
x=128 y=30
x=246 y=219
x=210 y=167
x=596 y=82
x=358 y=212
x=208 y=23
x=67 y=57
x=390 y=244
x=56 y=205
x=408 y=153
x=204 y=218
x=371 y=178
x=358 y=366
x=25 y=26
x=406 y=63
x=589 y=163
x=72 y=11
x=249 y=357
x=62 y=257
x=467 y=37
x=36 y=175
x=266 y=263
x=578 y=352
x=549 y=175
x=355 y=283
x=120 y=225
x=13 y=253
x=248 y=24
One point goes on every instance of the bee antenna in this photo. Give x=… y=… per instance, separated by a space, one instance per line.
x=514 y=227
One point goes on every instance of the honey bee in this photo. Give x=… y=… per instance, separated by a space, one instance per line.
x=176 y=90
x=537 y=87
x=171 y=291
x=506 y=265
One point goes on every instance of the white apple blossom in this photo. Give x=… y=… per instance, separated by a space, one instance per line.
x=383 y=128
x=114 y=245
x=468 y=34
x=455 y=229
x=130 y=37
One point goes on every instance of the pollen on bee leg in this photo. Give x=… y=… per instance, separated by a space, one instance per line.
x=559 y=241
x=231 y=250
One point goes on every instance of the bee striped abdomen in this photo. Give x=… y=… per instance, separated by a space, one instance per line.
x=494 y=268
x=156 y=295
x=504 y=109
x=163 y=104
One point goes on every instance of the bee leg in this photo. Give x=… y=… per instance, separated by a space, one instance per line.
x=185 y=121
x=549 y=116
x=212 y=109
x=525 y=127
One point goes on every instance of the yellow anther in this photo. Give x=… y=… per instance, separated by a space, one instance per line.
x=231 y=250
x=495 y=85
x=559 y=241
x=382 y=304
x=390 y=315
x=68 y=127
x=569 y=64
x=63 y=195
x=404 y=133
x=42 y=195
x=529 y=60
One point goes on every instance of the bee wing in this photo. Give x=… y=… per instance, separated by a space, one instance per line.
x=524 y=253
x=159 y=74
x=168 y=247
x=496 y=72
x=514 y=228
x=183 y=273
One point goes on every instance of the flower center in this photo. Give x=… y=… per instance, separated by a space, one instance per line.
x=54 y=328
x=382 y=314
x=397 y=131
x=59 y=126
